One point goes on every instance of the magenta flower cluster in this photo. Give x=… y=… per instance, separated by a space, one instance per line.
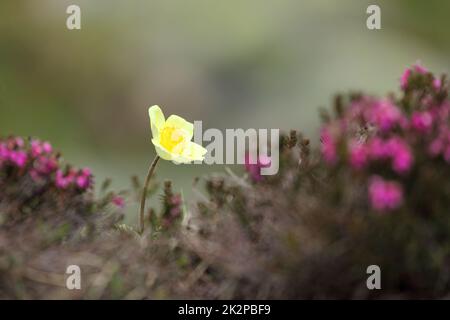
x=37 y=159
x=383 y=137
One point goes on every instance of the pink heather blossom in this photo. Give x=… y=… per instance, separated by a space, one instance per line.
x=377 y=149
x=253 y=166
x=437 y=84
x=47 y=147
x=385 y=195
x=421 y=121
x=384 y=114
x=395 y=149
x=38 y=148
x=45 y=165
x=400 y=154
x=19 y=142
x=19 y=158
x=63 y=181
x=328 y=146
x=118 y=202
x=404 y=78
x=358 y=155
x=83 y=180
x=86 y=172
x=4 y=152
x=419 y=68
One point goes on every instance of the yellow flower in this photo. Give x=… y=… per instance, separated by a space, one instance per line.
x=172 y=138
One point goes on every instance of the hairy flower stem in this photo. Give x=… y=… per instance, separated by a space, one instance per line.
x=151 y=170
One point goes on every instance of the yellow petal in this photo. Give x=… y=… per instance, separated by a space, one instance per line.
x=157 y=120
x=193 y=152
x=179 y=123
x=161 y=151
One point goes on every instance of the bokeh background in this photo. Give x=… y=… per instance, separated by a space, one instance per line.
x=232 y=64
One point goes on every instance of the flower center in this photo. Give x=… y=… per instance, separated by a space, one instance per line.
x=171 y=137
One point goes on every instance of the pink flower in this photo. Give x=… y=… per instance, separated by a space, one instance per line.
x=19 y=142
x=4 y=152
x=377 y=149
x=395 y=149
x=83 y=182
x=421 y=121
x=83 y=179
x=404 y=78
x=384 y=114
x=63 y=181
x=437 y=84
x=419 y=68
x=47 y=147
x=358 y=155
x=385 y=195
x=118 y=202
x=86 y=172
x=253 y=166
x=400 y=154
x=328 y=146
x=19 y=158
x=36 y=148
x=45 y=165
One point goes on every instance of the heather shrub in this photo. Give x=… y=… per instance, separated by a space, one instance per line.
x=376 y=191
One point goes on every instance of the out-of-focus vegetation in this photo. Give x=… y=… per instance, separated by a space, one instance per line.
x=310 y=231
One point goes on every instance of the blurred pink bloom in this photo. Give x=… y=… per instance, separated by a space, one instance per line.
x=358 y=154
x=253 y=166
x=4 y=152
x=118 y=202
x=328 y=146
x=437 y=84
x=83 y=179
x=36 y=148
x=45 y=165
x=19 y=142
x=83 y=182
x=401 y=155
x=86 y=172
x=404 y=78
x=19 y=158
x=47 y=147
x=395 y=149
x=377 y=149
x=383 y=114
x=421 y=121
x=63 y=181
x=419 y=68
x=385 y=195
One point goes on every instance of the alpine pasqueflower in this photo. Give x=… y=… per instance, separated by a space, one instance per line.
x=172 y=137
x=172 y=141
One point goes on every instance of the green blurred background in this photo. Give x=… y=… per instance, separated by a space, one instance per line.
x=246 y=63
